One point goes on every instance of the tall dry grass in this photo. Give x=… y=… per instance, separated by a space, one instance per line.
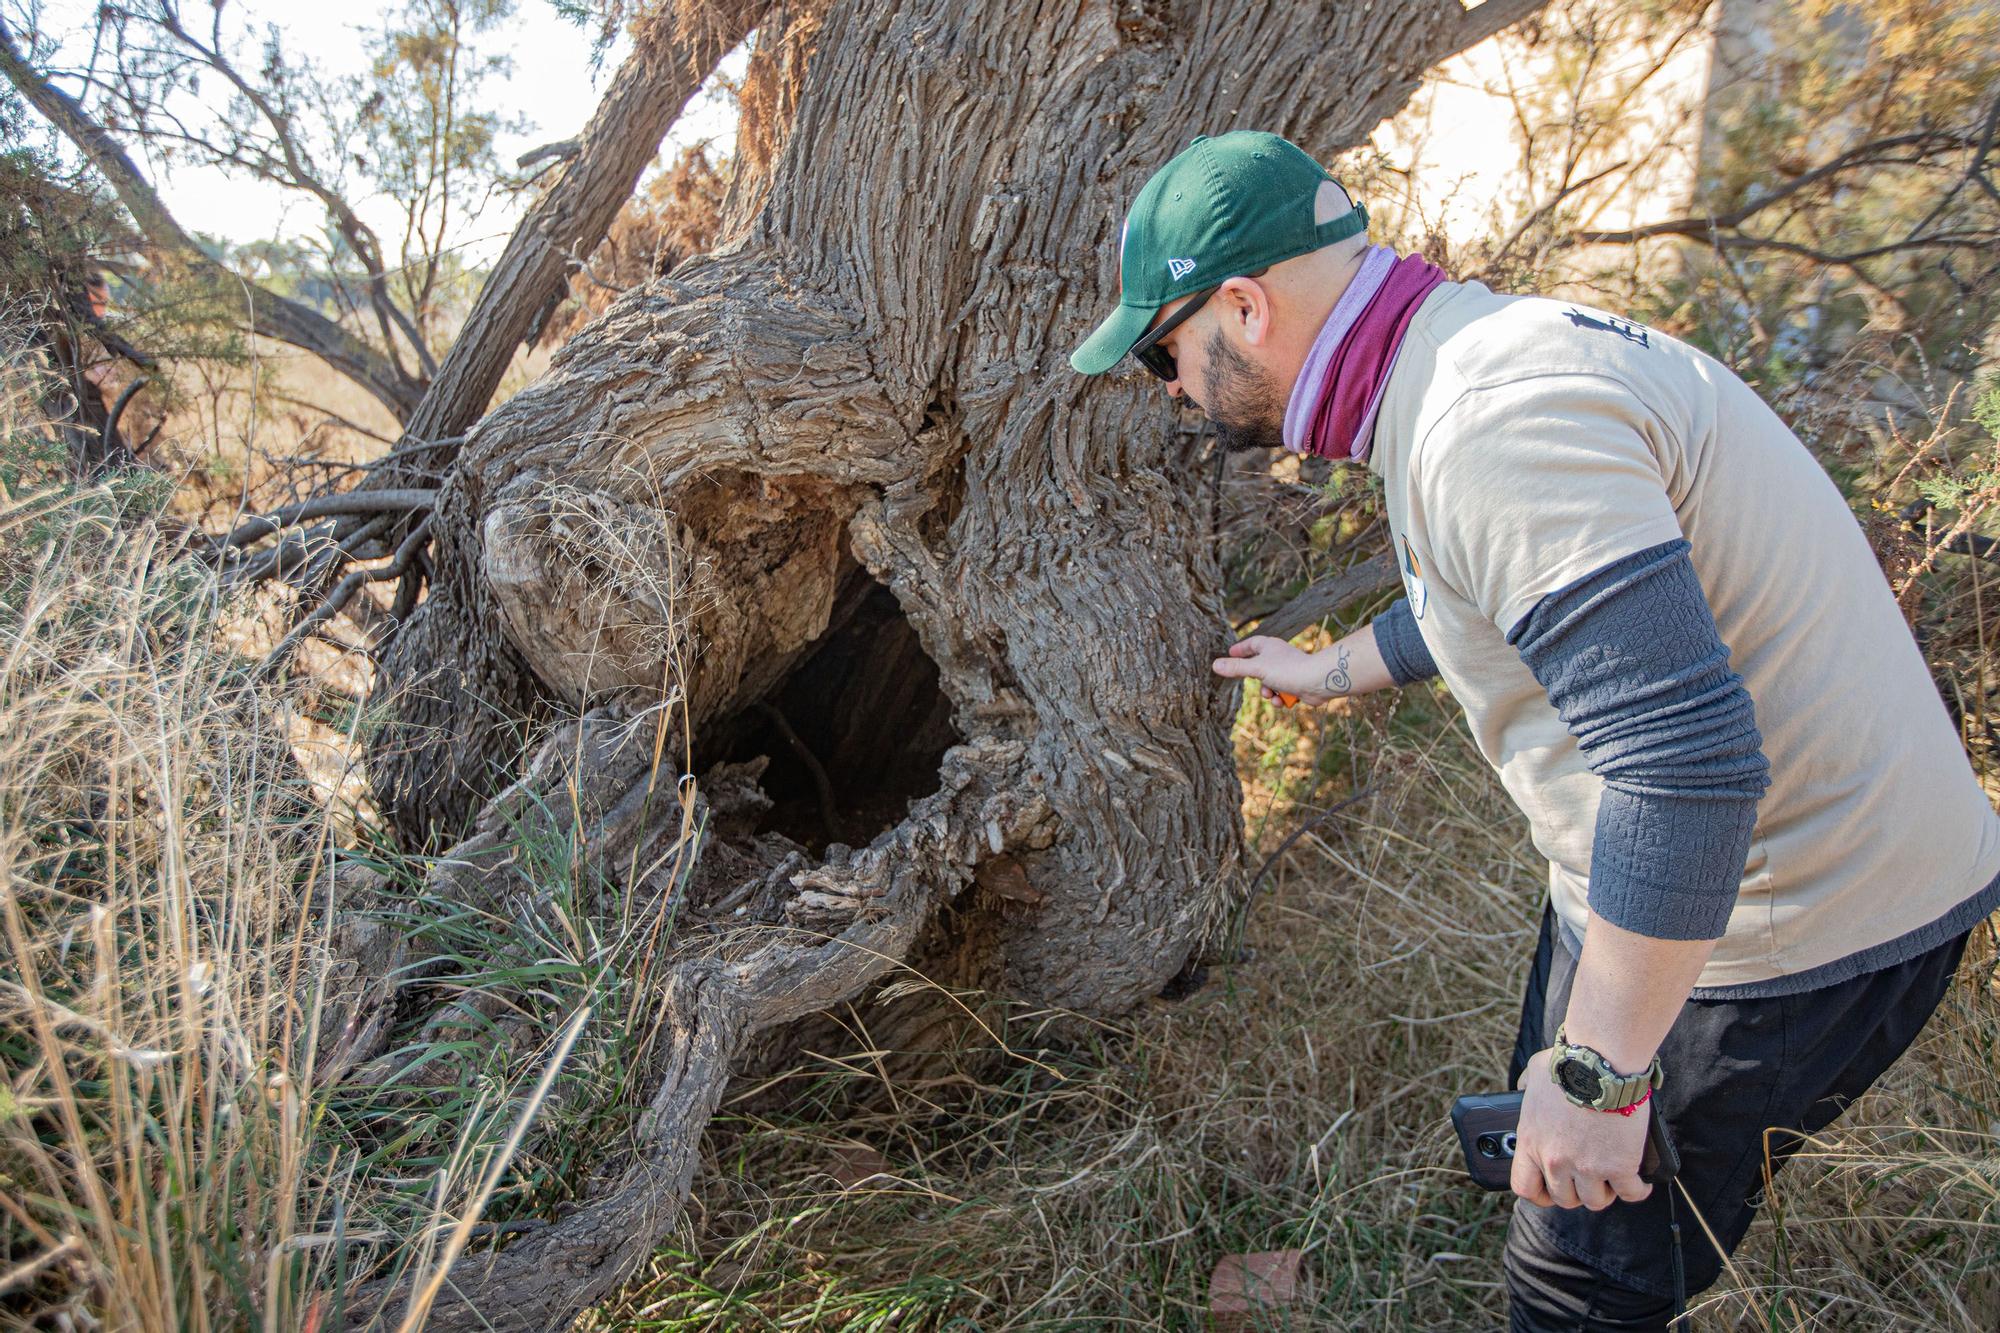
x=168 y=1159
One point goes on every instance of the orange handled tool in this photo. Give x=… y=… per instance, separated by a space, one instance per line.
x=1288 y=700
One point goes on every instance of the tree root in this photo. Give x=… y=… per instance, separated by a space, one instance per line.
x=849 y=926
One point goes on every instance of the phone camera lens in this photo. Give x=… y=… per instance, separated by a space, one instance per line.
x=1488 y=1145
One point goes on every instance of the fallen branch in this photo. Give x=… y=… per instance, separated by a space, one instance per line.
x=1322 y=599
x=314 y=550
x=400 y=501
x=342 y=593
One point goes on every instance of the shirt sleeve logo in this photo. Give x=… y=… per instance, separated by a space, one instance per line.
x=1624 y=328
x=1413 y=581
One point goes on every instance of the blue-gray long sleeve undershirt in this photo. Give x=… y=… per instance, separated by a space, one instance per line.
x=1402 y=646
x=1633 y=663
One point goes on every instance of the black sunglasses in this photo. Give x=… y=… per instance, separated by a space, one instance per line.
x=1148 y=352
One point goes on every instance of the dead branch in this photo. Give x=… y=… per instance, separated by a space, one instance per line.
x=342 y=593
x=320 y=506
x=319 y=546
x=822 y=785
x=1926 y=146
x=332 y=417
x=1975 y=172
x=1328 y=595
x=125 y=397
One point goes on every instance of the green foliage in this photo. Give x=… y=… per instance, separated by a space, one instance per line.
x=1986 y=405
x=426 y=145
x=50 y=229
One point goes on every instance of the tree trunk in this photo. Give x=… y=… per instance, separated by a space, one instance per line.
x=962 y=599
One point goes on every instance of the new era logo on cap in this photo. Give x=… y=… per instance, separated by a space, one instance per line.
x=1233 y=204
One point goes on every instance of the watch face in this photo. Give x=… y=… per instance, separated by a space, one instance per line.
x=1579 y=1080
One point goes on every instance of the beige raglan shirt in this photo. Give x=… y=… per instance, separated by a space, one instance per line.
x=1525 y=442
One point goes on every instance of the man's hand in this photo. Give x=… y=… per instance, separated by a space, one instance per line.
x=1566 y=1155
x=1352 y=666
x=1282 y=668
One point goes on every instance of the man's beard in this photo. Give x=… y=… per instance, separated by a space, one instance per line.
x=1240 y=399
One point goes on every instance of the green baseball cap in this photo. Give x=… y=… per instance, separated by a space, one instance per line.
x=1225 y=206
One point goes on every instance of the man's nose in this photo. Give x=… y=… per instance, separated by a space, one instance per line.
x=1174 y=388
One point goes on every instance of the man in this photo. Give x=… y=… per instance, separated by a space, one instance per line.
x=1766 y=846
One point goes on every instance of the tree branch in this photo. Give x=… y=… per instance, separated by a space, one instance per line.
x=1484 y=20
x=1871 y=154
x=666 y=68
x=1322 y=599
x=130 y=392
x=320 y=506
x=342 y=593
x=259 y=309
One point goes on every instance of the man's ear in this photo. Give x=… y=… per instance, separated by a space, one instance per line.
x=1246 y=307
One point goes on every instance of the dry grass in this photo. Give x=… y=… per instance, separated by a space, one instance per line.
x=167 y=1158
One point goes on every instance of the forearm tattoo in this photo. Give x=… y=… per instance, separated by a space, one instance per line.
x=1337 y=680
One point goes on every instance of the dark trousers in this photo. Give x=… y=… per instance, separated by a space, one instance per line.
x=1745 y=1079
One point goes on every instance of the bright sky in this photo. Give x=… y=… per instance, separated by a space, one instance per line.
x=553 y=86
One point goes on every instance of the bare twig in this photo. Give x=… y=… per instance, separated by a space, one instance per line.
x=1875 y=153
x=118 y=410
x=23 y=1273
x=1975 y=172
x=822 y=786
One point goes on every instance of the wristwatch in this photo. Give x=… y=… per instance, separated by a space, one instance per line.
x=1588 y=1079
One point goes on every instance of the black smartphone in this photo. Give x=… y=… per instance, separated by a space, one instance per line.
x=1486 y=1122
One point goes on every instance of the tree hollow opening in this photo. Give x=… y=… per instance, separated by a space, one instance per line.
x=854 y=733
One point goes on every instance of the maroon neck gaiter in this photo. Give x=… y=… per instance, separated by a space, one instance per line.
x=1351 y=389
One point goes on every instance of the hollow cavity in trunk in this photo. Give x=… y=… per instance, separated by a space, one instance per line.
x=854 y=733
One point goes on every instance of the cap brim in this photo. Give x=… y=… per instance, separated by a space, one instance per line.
x=1112 y=339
